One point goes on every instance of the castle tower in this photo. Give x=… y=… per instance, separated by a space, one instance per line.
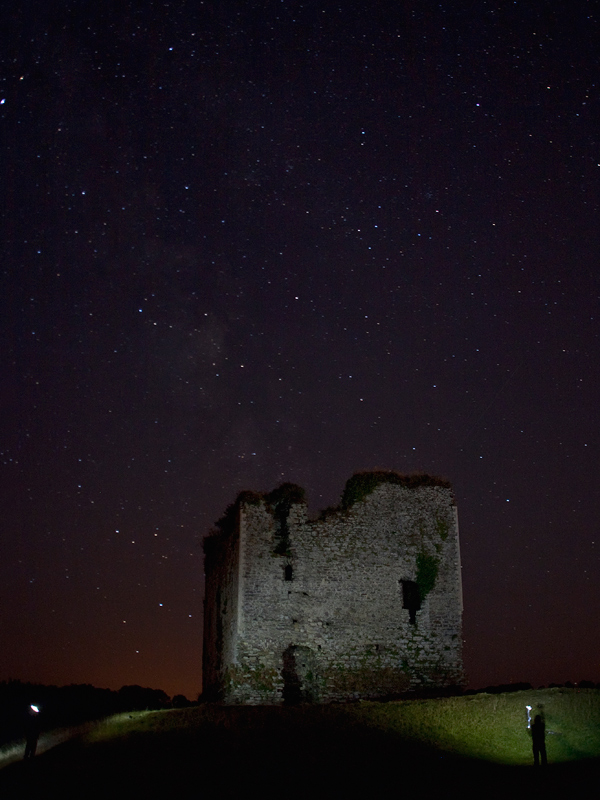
x=364 y=602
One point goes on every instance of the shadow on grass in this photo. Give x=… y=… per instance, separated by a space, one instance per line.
x=274 y=752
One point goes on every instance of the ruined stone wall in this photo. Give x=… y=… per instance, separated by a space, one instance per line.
x=221 y=604
x=327 y=609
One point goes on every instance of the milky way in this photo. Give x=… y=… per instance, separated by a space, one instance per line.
x=253 y=243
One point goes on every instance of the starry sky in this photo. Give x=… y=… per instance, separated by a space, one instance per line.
x=247 y=243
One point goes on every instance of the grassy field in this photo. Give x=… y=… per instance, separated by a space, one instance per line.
x=493 y=727
x=453 y=745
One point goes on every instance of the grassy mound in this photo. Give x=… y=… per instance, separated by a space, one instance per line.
x=493 y=727
x=444 y=744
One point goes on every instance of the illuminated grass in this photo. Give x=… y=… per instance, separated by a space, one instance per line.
x=488 y=727
x=125 y=724
x=494 y=727
x=347 y=750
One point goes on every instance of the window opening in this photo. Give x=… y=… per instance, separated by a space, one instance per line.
x=411 y=599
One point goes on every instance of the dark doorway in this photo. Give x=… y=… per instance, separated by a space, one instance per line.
x=411 y=599
x=299 y=676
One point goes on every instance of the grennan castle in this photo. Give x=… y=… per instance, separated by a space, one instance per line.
x=364 y=602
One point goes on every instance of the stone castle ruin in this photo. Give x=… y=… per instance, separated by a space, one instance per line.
x=364 y=602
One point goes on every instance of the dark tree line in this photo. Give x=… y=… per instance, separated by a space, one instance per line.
x=503 y=688
x=65 y=706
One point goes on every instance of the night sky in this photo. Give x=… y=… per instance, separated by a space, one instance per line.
x=246 y=243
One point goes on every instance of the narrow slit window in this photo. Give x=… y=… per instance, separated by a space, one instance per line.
x=288 y=572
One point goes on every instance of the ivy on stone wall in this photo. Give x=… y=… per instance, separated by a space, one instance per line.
x=442 y=527
x=361 y=484
x=281 y=500
x=227 y=523
x=357 y=488
x=286 y=495
x=427 y=572
x=256 y=678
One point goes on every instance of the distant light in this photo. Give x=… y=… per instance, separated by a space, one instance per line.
x=35 y=709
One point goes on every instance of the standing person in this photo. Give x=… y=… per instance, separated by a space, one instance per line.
x=538 y=737
x=33 y=732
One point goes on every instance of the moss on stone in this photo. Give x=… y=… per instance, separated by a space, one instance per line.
x=442 y=527
x=280 y=501
x=286 y=495
x=427 y=572
x=258 y=678
x=366 y=681
x=227 y=523
x=362 y=484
